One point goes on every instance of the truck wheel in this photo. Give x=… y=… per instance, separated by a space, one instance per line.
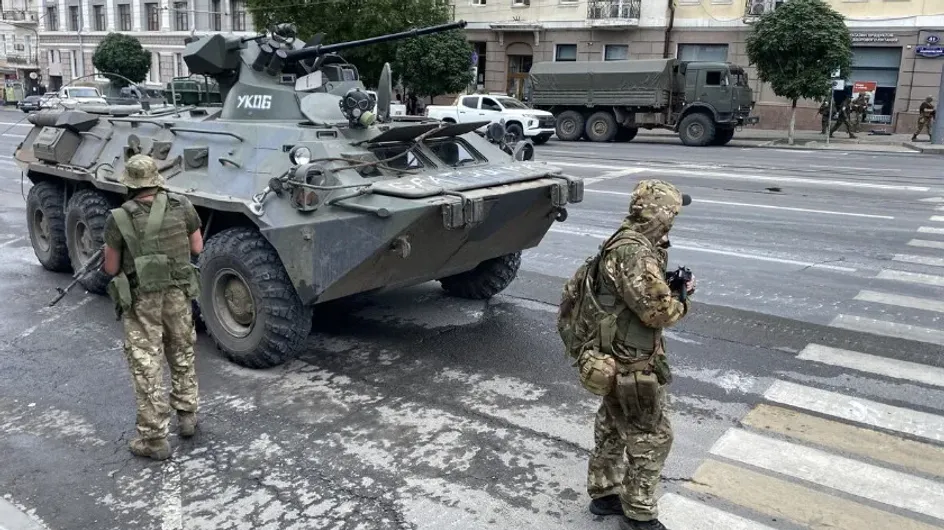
x=540 y=139
x=723 y=136
x=626 y=134
x=85 y=234
x=570 y=125
x=515 y=132
x=601 y=126
x=45 y=219
x=248 y=303
x=486 y=280
x=697 y=129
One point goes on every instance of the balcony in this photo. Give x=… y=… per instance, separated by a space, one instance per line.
x=616 y=14
x=19 y=17
x=21 y=60
x=753 y=9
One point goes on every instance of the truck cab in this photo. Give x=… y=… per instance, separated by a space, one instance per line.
x=720 y=88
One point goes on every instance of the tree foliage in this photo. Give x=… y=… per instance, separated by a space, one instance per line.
x=436 y=64
x=347 y=20
x=122 y=54
x=797 y=46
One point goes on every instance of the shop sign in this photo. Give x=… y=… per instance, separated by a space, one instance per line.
x=932 y=50
x=865 y=38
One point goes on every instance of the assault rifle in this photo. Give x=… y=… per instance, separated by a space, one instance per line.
x=95 y=261
x=677 y=280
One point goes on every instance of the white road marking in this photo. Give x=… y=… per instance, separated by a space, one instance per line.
x=10 y=242
x=932 y=199
x=850 y=476
x=888 y=329
x=924 y=304
x=937 y=218
x=854 y=168
x=748 y=205
x=171 y=503
x=754 y=177
x=912 y=277
x=611 y=175
x=931 y=230
x=898 y=419
x=738 y=254
x=873 y=364
x=921 y=260
x=29 y=331
x=926 y=244
x=682 y=513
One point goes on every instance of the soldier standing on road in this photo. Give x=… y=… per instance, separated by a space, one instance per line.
x=926 y=115
x=626 y=362
x=859 y=108
x=149 y=242
x=824 y=112
x=843 y=118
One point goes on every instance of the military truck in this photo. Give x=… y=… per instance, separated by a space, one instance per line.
x=607 y=101
x=305 y=195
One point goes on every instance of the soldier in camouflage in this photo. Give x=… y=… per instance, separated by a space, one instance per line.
x=149 y=242
x=632 y=433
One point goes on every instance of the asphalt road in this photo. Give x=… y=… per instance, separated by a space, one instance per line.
x=808 y=392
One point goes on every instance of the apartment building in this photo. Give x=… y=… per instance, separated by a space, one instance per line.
x=18 y=53
x=897 y=44
x=69 y=31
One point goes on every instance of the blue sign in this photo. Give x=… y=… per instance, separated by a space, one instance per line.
x=933 y=39
x=475 y=58
x=932 y=50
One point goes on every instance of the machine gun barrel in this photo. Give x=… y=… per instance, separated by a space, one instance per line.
x=315 y=51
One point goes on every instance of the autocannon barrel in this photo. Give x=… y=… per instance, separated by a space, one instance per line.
x=315 y=51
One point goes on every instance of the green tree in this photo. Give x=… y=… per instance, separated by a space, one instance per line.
x=436 y=64
x=123 y=55
x=796 y=47
x=347 y=20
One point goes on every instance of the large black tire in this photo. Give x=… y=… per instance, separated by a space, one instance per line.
x=570 y=126
x=626 y=134
x=540 y=139
x=46 y=222
x=601 y=126
x=85 y=234
x=271 y=325
x=486 y=280
x=515 y=132
x=723 y=135
x=697 y=129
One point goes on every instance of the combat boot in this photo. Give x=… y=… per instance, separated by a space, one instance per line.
x=608 y=505
x=156 y=449
x=187 y=423
x=631 y=524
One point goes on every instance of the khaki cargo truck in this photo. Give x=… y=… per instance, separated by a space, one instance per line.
x=611 y=100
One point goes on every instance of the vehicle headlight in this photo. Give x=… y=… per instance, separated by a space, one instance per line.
x=300 y=155
x=533 y=116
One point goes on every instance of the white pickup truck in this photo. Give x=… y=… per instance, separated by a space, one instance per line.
x=520 y=120
x=73 y=97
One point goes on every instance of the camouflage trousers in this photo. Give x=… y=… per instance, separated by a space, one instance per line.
x=924 y=124
x=158 y=325
x=629 y=452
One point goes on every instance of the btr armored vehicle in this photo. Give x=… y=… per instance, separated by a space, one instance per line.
x=305 y=194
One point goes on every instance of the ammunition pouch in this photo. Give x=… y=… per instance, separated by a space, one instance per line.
x=597 y=371
x=119 y=290
x=641 y=397
x=153 y=272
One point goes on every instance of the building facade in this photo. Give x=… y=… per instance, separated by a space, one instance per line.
x=18 y=51
x=897 y=48
x=69 y=31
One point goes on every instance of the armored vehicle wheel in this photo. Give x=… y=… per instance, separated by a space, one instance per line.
x=46 y=220
x=570 y=125
x=626 y=134
x=486 y=280
x=697 y=129
x=248 y=303
x=601 y=126
x=85 y=234
x=723 y=136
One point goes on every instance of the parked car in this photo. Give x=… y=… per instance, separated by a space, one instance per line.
x=74 y=97
x=30 y=103
x=520 y=120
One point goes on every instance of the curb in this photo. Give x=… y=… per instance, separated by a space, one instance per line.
x=12 y=518
x=927 y=149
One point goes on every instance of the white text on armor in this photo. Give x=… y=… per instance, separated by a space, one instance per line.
x=256 y=102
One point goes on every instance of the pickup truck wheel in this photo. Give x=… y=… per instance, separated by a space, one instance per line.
x=697 y=129
x=601 y=127
x=486 y=280
x=515 y=132
x=541 y=139
x=723 y=136
x=570 y=125
x=626 y=134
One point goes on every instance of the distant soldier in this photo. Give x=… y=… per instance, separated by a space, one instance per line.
x=824 y=112
x=842 y=118
x=926 y=115
x=859 y=107
x=149 y=242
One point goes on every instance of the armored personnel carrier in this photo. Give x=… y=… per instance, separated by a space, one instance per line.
x=305 y=195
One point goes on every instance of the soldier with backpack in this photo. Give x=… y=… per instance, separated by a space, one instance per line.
x=611 y=318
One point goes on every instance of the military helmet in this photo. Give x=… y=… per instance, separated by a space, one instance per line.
x=141 y=172
x=652 y=198
x=929 y=99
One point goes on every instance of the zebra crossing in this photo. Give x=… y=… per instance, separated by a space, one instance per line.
x=806 y=457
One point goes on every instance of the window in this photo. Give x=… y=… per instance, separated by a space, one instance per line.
x=238 y=9
x=181 y=20
x=124 y=17
x=153 y=17
x=216 y=16
x=566 y=52
x=703 y=52
x=616 y=52
x=490 y=104
x=512 y=103
x=52 y=18
x=98 y=15
x=478 y=2
x=713 y=78
x=73 y=18
x=470 y=102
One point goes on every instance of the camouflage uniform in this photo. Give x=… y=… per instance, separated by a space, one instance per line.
x=632 y=433
x=842 y=118
x=157 y=321
x=859 y=107
x=925 y=115
x=824 y=113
